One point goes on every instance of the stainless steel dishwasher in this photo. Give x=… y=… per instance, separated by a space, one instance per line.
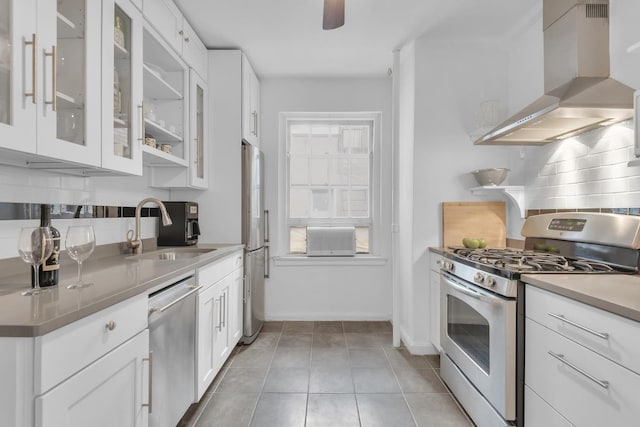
x=172 y=336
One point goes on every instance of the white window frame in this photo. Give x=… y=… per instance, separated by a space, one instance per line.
x=375 y=194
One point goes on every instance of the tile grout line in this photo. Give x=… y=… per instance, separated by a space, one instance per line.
x=404 y=397
x=353 y=381
x=264 y=381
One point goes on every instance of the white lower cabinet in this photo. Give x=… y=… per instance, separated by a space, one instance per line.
x=109 y=392
x=576 y=383
x=217 y=315
x=434 y=299
x=236 y=306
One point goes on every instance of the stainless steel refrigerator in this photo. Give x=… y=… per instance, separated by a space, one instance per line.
x=255 y=234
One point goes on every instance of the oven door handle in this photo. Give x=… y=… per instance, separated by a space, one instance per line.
x=472 y=293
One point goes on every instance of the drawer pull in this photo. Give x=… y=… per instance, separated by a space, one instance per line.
x=603 y=335
x=560 y=357
x=111 y=325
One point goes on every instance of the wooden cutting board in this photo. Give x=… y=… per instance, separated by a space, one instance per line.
x=487 y=220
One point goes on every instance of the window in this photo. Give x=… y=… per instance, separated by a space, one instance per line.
x=330 y=175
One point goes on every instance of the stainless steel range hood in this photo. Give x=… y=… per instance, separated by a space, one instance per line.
x=579 y=93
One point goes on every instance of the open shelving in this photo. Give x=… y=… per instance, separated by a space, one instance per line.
x=514 y=192
x=157 y=88
x=160 y=133
x=68 y=29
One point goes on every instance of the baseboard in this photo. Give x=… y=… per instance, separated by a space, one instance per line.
x=274 y=317
x=416 y=348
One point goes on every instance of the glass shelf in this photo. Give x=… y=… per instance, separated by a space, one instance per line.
x=120 y=52
x=160 y=133
x=154 y=157
x=514 y=192
x=157 y=88
x=67 y=29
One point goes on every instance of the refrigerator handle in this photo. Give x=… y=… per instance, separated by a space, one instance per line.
x=266 y=262
x=266 y=225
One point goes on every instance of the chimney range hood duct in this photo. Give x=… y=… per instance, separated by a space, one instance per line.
x=579 y=93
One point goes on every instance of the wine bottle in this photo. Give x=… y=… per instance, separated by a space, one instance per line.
x=49 y=270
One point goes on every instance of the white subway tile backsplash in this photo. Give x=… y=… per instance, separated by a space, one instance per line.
x=601 y=200
x=548 y=169
x=567 y=166
x=619 y=185
x=615 y=157
x=588 y=162
x=608 y=172
x=634 y=183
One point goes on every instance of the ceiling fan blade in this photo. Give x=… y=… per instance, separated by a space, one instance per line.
x=333 y=16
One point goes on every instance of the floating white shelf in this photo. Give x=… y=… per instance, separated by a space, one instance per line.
x=160 y=133
x=157 y=88
x=154 y=157
x=67 y=29
x=514 y=192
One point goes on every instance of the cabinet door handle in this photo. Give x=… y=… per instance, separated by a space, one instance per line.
x=603 y=335
x=219 y=301
x=34 y=66
x=111 y=325
x=561 y=358
x=150 y=382
x=142 y=124
x=266 y=262
x=255 y=123
x=223 y=304
x=54 y=83
x=266 y=226
x=186 y=39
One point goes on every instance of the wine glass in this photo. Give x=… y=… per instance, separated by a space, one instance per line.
x=35 y=245
x=80 y=243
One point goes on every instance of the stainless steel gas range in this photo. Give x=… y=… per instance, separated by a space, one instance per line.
x=482 y=303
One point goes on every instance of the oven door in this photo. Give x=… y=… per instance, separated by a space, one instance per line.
x=478 y=333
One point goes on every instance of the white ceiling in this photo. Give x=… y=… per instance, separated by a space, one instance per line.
x=285 y=37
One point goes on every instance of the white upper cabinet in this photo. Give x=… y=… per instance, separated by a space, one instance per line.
x=165 y=16
x=199 y=177
x=166 y=108
x=18 y=75
x=49 y=79
x=250 y=104
x=122 y=108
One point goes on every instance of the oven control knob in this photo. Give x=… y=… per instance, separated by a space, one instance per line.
x=490 y=281
x=478 y=278
x=447 y=265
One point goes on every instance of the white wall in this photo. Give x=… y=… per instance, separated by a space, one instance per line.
x=325 y=292
x=20 y=185
x=449 y=81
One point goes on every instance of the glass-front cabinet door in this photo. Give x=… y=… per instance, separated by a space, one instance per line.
x=198 y=117
x=18 y=78
x=122 y=113
x=68 y=80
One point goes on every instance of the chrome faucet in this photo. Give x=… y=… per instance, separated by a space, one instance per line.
x=133 y=238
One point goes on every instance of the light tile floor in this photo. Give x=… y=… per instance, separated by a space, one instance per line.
x=326 y=374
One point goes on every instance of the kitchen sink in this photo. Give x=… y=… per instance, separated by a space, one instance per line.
x=172 y=254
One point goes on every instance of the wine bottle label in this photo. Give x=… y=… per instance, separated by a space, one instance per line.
x=52 y=263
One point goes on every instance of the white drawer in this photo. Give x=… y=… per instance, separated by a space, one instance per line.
x=61 y=353
x=538 y=413
x=434 y=261
x=620 y=344
x=212 y=273
x=579 y=399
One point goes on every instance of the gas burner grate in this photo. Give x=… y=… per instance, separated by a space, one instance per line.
x=531 y=261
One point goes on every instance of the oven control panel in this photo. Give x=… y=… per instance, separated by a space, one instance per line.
x=565 y=224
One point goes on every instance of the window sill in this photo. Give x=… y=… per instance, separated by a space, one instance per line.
x=303 y=260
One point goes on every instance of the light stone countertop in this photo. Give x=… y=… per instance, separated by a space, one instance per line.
x=115 y=279
x=616 y=293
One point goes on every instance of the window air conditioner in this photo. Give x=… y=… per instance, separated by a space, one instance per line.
x=331 y=241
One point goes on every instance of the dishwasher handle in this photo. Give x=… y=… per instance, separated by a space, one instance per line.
x=174 y=302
